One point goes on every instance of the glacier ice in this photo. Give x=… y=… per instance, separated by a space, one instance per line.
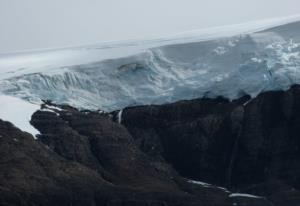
x=247 y=59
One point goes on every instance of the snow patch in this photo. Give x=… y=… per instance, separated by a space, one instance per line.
x=244 y=195
x=51 y=107
x=18 y=112
x=200 y=183
x=49 y=110
x=207 y=185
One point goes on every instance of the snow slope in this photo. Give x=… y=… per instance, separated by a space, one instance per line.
x=230 y=61
x=18 y=112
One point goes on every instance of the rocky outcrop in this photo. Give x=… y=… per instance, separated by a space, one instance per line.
x=249 y=146
x=158 y=155
x=84 y=158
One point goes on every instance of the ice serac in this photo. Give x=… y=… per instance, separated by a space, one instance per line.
x=229 y=61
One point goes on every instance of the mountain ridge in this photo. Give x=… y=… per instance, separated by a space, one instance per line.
x=173 y=154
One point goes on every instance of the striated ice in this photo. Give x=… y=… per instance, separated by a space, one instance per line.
x=228 y=61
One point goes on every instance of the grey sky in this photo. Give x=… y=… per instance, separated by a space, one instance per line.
x=35 y=24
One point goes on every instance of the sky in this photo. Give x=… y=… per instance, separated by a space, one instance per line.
x=37 y=24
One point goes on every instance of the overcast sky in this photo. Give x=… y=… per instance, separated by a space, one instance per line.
x=35 y=24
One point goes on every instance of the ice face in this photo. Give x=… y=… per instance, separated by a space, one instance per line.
x=111 y=77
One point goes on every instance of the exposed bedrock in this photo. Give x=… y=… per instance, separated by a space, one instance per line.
x=148 y=155
x=84 y=158
x=251 y=146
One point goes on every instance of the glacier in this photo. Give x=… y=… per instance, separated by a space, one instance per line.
x=228 y=61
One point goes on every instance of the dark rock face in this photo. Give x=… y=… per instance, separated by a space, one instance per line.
x=198 y=137
x=84 y=158
x=87 y=158
x=248 y=146
x=32 y=174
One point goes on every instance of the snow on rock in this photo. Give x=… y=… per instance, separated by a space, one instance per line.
x=52 y=107
x=204 y=184
x=232 y=195
x=243 y=195
x=18 y=112
x=49 y=110
x=200 y=183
